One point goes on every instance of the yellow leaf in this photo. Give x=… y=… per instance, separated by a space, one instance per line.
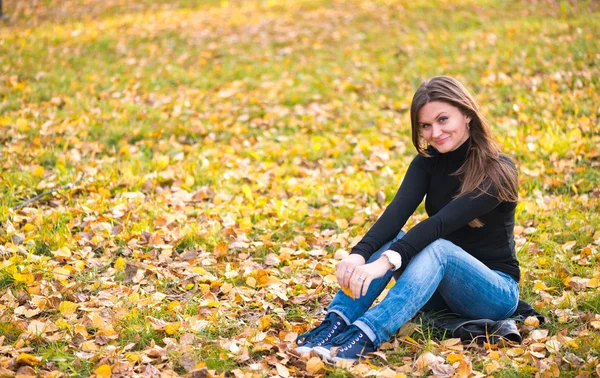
x=27 y=278
x=38 y=171
x=532 y=321
x=248 y=193
x=89 y=346
x=199 y=270
x=67 y=308
x=212 y=304
x=133 y=357
x=103 y=371
x=593 y=282
x=251 y=281
x=62 y=253
x=172 y=328
x=342 y=223
x=453 y=357
x=189 y=181
x=492 y=367
x=162 y=161
x=124 y=150
x=200 y=365
x=514 y=352
x=173 y=305
x=97 y=321
x=347 y=291
x=264 y=322
x=27 y=359
x=120 y=263
x=29 y=227
x=61 y=274
x=541 y=286
x=542 y=261
x=314 y=365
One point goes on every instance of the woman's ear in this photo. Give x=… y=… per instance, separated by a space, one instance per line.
x=467 y=118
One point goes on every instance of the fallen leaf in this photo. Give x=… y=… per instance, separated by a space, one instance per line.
x=282 y=370
x=67 y=308
x=27 y=359
x=314 y=365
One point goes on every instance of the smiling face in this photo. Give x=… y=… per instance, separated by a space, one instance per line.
x=443 y=126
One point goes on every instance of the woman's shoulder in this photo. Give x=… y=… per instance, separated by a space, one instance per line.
x=426 y=162
x=506 y=159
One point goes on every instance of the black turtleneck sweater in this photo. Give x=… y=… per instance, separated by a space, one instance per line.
x=493 y=244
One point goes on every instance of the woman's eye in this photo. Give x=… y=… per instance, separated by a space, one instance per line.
x=443 y=119
x=424 y=126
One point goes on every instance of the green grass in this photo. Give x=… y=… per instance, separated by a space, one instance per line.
x=6 y=279
x=136 y=329
x=217 y=358
x=299 y=101
x=10 y=331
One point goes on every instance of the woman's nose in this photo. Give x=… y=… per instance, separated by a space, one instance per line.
x=437 y=131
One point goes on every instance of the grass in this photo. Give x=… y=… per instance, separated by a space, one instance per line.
x=306 y=105
x=10 y=331
x=137 y=330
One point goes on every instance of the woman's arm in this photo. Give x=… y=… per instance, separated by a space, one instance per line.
x=456 y=214
x=409 y=196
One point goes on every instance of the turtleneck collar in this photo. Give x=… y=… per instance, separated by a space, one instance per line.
x=460 y=153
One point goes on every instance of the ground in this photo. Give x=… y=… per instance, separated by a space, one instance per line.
x=203 y=165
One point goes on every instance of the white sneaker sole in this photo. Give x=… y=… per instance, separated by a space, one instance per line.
x=303 y=349
x=326 y=354
x=323 y=352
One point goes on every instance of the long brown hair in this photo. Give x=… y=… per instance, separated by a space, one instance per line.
x=485 y=166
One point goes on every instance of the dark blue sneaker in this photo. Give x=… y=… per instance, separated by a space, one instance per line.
x=350 y=345
x=332 y=326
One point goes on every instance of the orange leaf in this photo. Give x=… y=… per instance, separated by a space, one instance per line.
x=314 y=365
x=221 y=249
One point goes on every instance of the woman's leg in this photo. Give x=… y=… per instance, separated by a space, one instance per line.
x=469 y=288
x=351 y=309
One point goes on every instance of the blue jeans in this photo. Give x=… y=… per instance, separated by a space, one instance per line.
x=441 y=276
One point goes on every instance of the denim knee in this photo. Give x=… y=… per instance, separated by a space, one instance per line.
x=438 y=249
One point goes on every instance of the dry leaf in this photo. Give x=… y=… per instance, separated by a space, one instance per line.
x=282 y=370
x=27 y=359
x=67 y=308
x=314 y=365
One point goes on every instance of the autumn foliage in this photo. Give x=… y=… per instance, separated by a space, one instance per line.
x=203 y=165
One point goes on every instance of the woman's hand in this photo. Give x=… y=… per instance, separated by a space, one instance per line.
x=363 y=275
x=346 y=267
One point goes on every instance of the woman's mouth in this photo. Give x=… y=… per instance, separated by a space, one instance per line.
x=441 y=141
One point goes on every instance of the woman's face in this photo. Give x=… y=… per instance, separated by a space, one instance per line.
x=443 y=126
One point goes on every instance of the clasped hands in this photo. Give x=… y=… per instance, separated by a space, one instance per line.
x=352 y=273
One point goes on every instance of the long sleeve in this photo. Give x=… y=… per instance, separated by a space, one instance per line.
x=405 y=202
x=456 y=214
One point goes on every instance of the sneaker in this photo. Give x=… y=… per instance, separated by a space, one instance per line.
x=332 y=325
x=350 y=345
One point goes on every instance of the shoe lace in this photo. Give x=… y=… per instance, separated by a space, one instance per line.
x=319 y=331
x=349 y=337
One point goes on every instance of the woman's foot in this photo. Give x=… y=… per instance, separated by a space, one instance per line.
x=350 y=345
x=322 y=335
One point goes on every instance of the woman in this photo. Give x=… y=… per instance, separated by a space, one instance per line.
x=462 y=258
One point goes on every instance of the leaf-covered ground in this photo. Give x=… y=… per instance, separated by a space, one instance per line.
x=223 y=156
